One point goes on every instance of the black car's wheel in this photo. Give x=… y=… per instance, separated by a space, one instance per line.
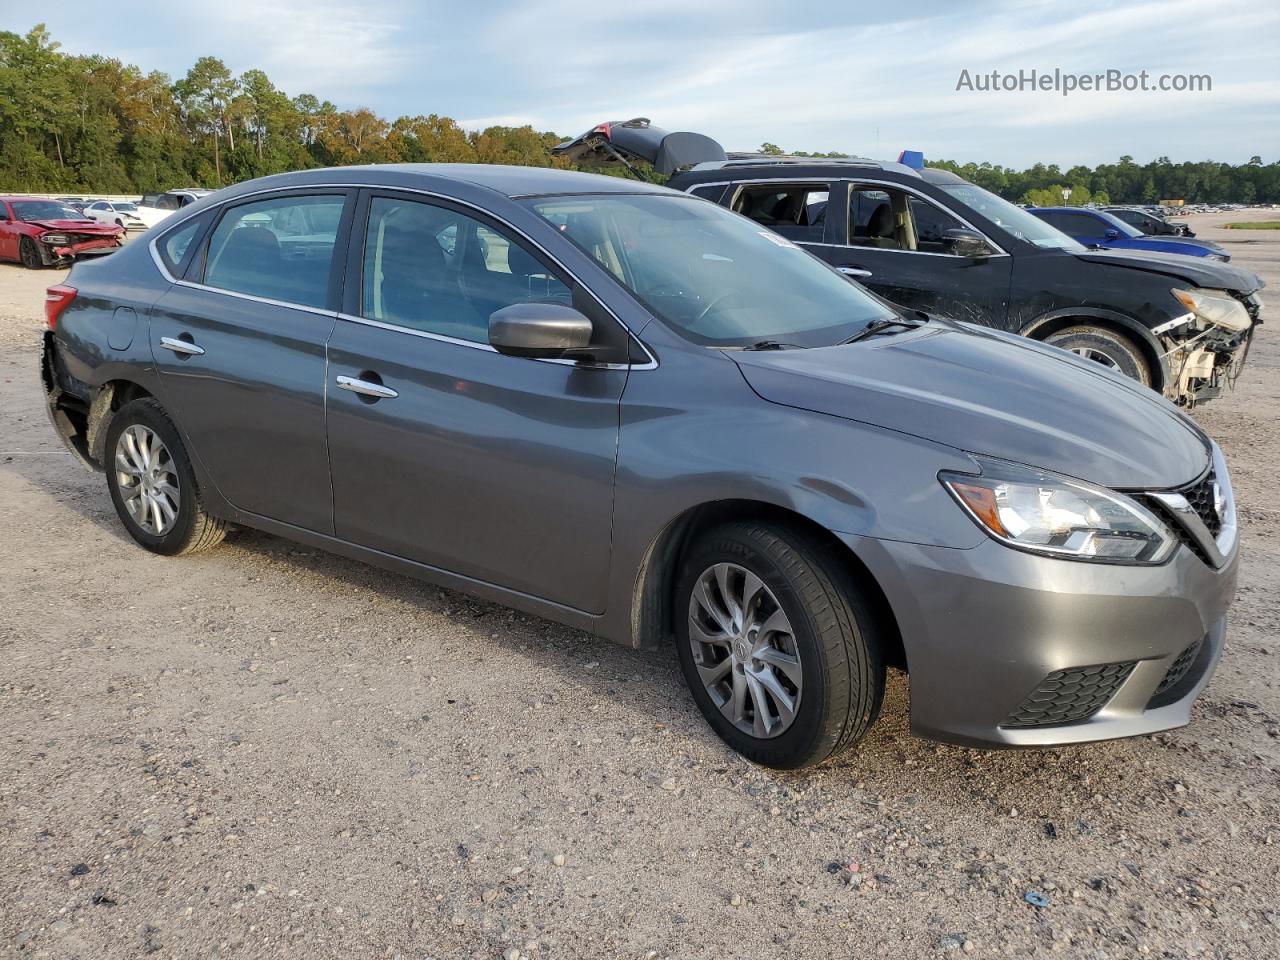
x=152 y=484
x=777 y=644
x=1106 y=347
x=30 y=254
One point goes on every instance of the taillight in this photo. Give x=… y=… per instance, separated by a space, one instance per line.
x=606 y=129
x=56 y=299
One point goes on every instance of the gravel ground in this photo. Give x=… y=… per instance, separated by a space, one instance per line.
x=267 y=751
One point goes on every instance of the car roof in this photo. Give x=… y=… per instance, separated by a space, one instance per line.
x=510 y=181
x=1065 y=210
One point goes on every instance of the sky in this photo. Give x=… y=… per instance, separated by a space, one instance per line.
x=864 y=78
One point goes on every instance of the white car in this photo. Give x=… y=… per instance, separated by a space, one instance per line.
x=120 y=212
x=154 y=207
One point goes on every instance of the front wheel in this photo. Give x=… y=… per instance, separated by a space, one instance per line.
x=152 y=484
x=1112 y=350
x=778 y=644
x=30 y=254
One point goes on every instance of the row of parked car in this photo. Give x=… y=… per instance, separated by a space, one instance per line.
x=39 y=232
x=781 y=414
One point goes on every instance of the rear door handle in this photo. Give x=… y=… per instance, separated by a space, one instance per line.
x=367 y=388
x=854 y=272
x=181 y=346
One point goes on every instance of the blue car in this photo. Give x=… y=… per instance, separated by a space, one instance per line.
x=1097 y=228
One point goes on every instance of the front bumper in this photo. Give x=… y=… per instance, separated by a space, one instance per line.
x=984 y=629
x=98 y=245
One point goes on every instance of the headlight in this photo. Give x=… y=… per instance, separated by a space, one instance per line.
x=1044 y=513
x=54 y=238
x=1215 y=306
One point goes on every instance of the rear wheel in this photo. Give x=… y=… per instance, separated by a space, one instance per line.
x=152 y=484
x=30 y=254
x=1112 y=350
x=777 y=644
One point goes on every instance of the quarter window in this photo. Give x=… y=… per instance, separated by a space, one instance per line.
x=174 y=245
x=280 y=249
x=434 y=269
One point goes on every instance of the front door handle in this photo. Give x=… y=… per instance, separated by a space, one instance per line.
x=185 y=347
x=854 y=272
x=367 y=388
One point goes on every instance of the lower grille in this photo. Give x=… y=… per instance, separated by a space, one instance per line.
x=1180 y=667
x=1182 y=675
x=1069 y=696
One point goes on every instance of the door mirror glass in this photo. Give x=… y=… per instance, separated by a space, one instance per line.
x=542 y=330
x=962 y=242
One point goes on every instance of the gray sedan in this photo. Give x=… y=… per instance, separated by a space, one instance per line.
x=634 y=412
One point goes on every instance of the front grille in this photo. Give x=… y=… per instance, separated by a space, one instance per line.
x=1069 y=696
x=1175 y=527
x=1201 y=497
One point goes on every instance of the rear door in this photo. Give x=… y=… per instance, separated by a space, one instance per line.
x=240 y=346
x=893 y=241
x=446 y=452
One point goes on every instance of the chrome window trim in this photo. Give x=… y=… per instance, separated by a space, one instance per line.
x=1000 y=251
x=650 y=364
x=306 y=308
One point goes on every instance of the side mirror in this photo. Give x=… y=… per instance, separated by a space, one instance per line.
x=965 y=243
x=1111 y=235
x=543 y=330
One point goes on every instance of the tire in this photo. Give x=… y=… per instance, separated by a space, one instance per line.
x=177 y=523
x=30 y=254
x=831 y=645
x=1108 y=348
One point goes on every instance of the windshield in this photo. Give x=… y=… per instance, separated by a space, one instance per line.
x=714 y=277
x=1126 y=230
x=126 y=207
x=1013 y=219
x=44 y=210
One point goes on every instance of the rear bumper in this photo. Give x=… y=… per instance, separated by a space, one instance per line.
x=988 y=630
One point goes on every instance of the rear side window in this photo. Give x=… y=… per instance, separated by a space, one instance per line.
x=437 y=270
x=280 y=249
x=1078 y=224
x=797 y=212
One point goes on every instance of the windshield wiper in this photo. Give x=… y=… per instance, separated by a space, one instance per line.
x=773 y=345
x=880 y=326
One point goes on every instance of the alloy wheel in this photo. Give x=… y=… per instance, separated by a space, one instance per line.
x=745 y=650
x=148 y=480
x=1097 y=356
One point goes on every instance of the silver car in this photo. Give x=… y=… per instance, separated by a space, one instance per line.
x=639 y=414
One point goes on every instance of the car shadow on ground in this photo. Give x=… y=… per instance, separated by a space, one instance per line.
x=648 y=684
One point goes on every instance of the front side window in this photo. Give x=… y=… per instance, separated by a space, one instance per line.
x=434 y=269
x=931 y=224
x=713 y=277
x=1017 y=222
x=797 y=212
x=280 y=249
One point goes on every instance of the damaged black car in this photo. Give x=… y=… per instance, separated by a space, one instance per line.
x=928 y=240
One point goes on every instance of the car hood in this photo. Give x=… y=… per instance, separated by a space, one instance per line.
x=1196 y=270
x=994 y=394
x=76 y=226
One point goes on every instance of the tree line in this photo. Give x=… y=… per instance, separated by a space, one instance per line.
x=92 y=124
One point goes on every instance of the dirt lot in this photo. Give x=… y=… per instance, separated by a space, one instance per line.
x=267 y=751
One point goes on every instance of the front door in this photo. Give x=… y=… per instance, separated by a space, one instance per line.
x=446 y=452
x=895 y=243
x=240 y=347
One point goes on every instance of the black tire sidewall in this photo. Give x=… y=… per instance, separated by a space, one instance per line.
x=149 y=413
x=795 y=746
x=1126 y=355
x=28 y=244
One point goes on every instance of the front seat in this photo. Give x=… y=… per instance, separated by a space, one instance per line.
x=880 y=229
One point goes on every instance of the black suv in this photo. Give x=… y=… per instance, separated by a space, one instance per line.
x=929 y=240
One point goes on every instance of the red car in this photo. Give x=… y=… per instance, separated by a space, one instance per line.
x=41 y=233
